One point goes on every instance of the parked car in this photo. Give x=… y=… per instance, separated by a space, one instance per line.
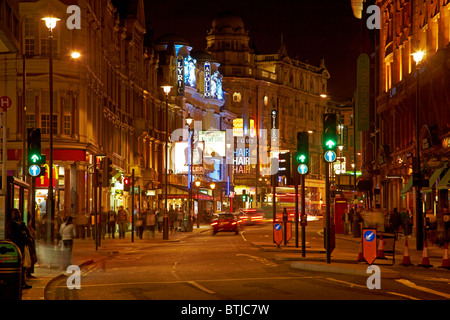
x=227 y=222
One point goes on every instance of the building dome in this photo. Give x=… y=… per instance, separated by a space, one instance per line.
x=202 y=56
x=227 y=20
x=174 y=38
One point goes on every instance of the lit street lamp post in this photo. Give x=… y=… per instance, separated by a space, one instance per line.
x=212 y=185
x=166 y=89
x=189 y=121
x=50 y=22
x=417 y=172
x=197 y=183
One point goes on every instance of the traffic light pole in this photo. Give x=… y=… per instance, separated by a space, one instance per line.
x=327 y=215
x=303 y=215
x=296 y=178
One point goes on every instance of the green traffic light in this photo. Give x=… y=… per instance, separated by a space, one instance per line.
x=330 y=144
x=35 y=158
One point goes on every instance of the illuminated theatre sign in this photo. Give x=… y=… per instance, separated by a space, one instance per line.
x=207 y=80
x=242 y=153
x=180 y=75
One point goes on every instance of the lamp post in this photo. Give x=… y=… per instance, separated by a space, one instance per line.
x=50 y=22
x=166 y=89
x=417 y=172
x=189 y=121
x=197 y=184
x=212 y=185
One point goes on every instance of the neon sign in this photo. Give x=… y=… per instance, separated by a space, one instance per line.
x=207 y=80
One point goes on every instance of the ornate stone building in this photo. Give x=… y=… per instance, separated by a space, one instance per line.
x=260 y=83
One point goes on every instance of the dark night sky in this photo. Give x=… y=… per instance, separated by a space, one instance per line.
x=312 y=30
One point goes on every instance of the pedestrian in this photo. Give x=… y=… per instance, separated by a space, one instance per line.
x=67 y=233
x=150 y=222
x=405 y=222
x=160 y=220
x=17 y=232
x=122 y=218
x=395 y=221
x=172 y=220
x=180 y=220
x=346 y=220
x=446 y=219
x=112 y=219
x=140 y=224
x=104 y=222
x=32 y=246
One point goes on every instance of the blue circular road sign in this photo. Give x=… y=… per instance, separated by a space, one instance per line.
x=330 y=156
x=369 y=235
x=302 y=169
x=277 y=226
x=34 y=170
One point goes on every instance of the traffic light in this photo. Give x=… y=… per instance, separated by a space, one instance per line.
x=284 y=166
x=107 y=171
x=34 y=147
x=126 y=184
x=302 y=155
x=329 y=137
x=244 y=195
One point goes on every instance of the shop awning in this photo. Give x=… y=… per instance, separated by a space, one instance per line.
x=433 y=178
x=407 y=186
x=444 y=183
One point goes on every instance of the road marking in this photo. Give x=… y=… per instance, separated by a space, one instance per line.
x=365 y=287
x=262 y=260
x=403 y=295
x=347 y=283
x=173 y=270
x=413 y=285
x=199 y=286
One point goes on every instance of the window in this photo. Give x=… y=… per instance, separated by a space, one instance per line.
x=45 y=46
x=29 y=36
x=45 y=124
x=67 y=125
x=29 y=121
x=45 y=101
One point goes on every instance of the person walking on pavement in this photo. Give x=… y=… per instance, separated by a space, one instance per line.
x=160 y=219
x=122 y=221
x=395 y=221
x=112 y=217
x=405 y=222
x=67 y=233
x=32 y=246
x=150 y=222
x=17 y=232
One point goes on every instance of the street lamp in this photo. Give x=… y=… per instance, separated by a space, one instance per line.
x=189 y=121
x=166 y=89
x=212 y=185
x=197 y=184
x=50 y=22
x=420 y=234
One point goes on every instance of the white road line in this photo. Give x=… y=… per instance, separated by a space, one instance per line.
x=413 y=285
x=199 y=286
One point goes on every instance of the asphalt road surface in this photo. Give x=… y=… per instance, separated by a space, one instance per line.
x=228 y=267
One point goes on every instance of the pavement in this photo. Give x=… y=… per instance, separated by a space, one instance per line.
x=344 y=258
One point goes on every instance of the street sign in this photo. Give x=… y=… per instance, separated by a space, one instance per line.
x=302 y=169
x=278 y=233
x=369 y=245
x=330 y=156
x=34 y=170
x=5 y=103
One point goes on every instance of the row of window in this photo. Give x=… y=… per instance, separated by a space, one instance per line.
x=44 y=124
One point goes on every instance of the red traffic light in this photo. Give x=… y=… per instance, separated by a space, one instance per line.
x=126 y=184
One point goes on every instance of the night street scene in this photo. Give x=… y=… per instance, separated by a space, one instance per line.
x=227 y=159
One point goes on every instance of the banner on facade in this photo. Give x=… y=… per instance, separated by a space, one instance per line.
x=362 y=103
